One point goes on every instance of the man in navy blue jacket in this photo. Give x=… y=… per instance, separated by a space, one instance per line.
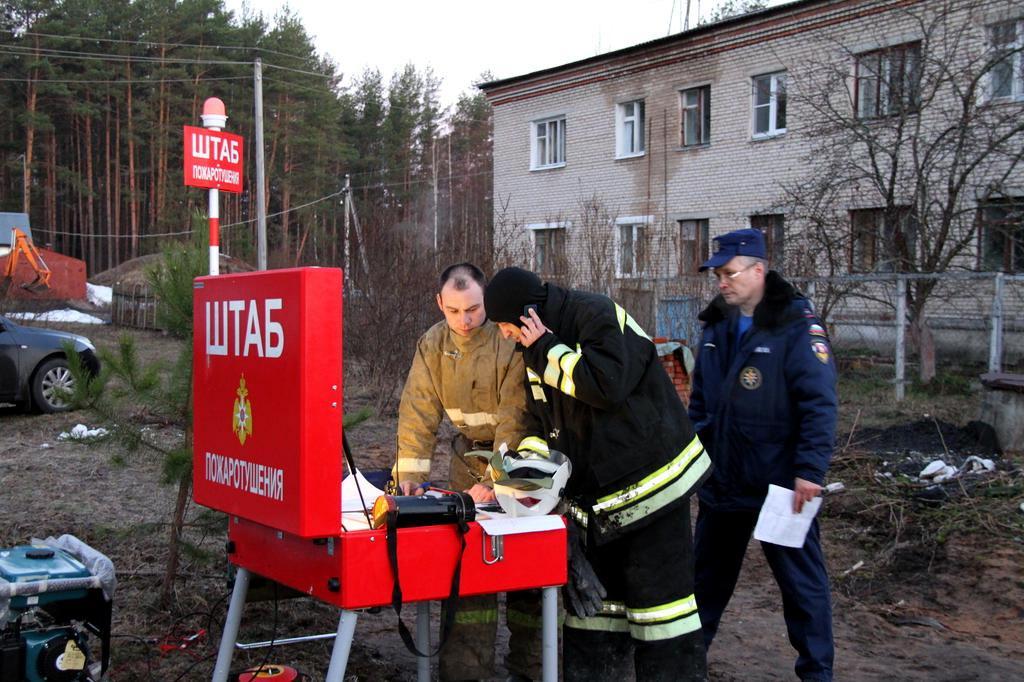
x=764 y=404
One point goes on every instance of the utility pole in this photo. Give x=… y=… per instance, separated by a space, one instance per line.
x=261 y=187
x=433 y=167
x=346 y=202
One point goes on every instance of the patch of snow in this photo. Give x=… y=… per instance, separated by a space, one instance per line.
x=83 y=432
x=98 y=295
x=66 y=315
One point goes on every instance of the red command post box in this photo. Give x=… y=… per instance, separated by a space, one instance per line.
x=268 y=398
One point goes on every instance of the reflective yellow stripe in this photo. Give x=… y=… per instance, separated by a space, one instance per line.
x=679 y=488
x=578 y=515
x=535 y=444
x=522 y=619
x=553 y=369
x=476 y=617
x=535 y=385
x=662 y=631
x=412 y=466
x=568 y=364
x=663 y=612
x=471 y=418
x=597 y=623
x=651 y=482
x=611 y=618
x=626 y=320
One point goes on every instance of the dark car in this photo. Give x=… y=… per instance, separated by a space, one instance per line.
x=33 y=366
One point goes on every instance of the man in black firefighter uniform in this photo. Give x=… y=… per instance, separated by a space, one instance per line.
x=764 y=402
x=594 y=380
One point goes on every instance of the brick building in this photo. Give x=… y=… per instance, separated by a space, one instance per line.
x=614 y=172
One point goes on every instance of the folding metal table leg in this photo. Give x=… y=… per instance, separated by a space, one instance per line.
x=549 y=633
x=342 y=646
x=234 y=619
x=423 y=640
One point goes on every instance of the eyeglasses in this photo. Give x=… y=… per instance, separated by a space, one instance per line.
x=730 y=275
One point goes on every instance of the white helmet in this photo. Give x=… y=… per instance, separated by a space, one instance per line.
x=530 y=485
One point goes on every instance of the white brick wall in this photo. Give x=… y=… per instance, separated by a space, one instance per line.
x=726 y=181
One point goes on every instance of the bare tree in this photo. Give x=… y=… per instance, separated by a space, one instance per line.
x=910 y=140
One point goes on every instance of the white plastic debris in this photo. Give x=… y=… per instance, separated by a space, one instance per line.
x=833 y=488
x=856 y=566
x=977 y=465
x=933 y=469
x=83 y=432
x=946 y=474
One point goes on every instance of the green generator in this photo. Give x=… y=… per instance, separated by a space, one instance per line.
x=53 y=601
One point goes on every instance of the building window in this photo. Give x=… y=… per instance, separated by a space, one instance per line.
x=629 y=128
x=770 y=104
x=695 y=105
x=773 y=227
x=1002 y=235
x=693 y=245
x=887 y=81
x=548 y=143
x=548 y=247
x=1006 y=79
x=631 y=246
x=883 y=241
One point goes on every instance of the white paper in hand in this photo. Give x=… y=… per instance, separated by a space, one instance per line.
x=350 y=500
x=778 y=524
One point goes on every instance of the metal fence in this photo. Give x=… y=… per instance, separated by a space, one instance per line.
x=974 y=318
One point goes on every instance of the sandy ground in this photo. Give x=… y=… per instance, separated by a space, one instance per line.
x=956 y=613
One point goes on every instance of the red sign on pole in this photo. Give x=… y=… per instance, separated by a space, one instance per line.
x=213 y=159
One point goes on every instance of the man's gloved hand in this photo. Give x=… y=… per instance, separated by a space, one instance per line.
x=583 y=593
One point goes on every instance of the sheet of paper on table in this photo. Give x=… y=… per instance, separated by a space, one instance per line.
x=350 y=499
x=502 y=524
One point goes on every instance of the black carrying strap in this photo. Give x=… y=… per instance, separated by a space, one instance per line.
x=396 y=593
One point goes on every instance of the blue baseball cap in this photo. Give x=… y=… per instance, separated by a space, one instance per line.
x=745 y=242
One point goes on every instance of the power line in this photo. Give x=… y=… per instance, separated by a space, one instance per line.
x=24 y=51
x=153 y=43
x=182 y=233
x=125 y=82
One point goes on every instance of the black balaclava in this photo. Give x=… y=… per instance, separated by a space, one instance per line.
x=510 y=291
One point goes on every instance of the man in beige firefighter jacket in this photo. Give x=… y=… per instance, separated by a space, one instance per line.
x=465 y=370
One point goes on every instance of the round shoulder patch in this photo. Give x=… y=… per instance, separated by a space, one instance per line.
x=750 y=378
x=820 y=351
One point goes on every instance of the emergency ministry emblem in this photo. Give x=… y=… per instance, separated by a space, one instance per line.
x=750 y=378
x=820 y=351
x=241 y=417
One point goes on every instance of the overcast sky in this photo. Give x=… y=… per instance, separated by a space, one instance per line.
x=460 y=39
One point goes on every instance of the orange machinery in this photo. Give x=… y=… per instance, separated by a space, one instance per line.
x=22 y=247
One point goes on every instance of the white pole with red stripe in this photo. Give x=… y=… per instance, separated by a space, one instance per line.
x=214 y=117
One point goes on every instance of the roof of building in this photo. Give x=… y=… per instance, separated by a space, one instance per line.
x=660 y=44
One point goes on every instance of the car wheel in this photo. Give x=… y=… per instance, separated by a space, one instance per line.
x=51 y=385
